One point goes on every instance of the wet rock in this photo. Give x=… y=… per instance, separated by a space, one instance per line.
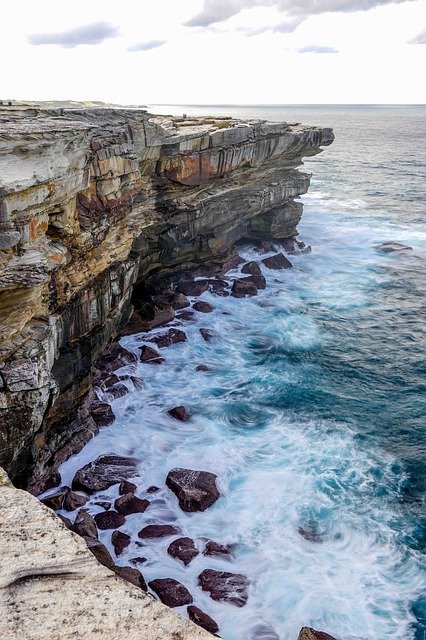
x=104 y=504
x=67 y=522
x=179 y=413
x=126 y=487
x=192 y=287
x=102 y=414
x=394 y=247
x=150 y=356
x=203 y=307
x=120 y=541
x=131 y=575
x=183 y=549
x=307 y=633
x=116 y=356
x=278 y=261
x=85 y=526
x=207 y=334
x=171 y=592
x=202 y=619
x=137 y=560
x=73 y=501
x=157 y=531
x=180 y=302
x=202 y=367
x=195 y=490
x=103 y=472
x=219 y=287
x=173 y=336
x=216 y=549
x=109 y=520
x=251 y=268
x=137 y=382
x=259 y=281
x=185 y=315
x=118 y=390
x=104 y=379
x=129 y=503
x=153 y=489
x=224 y=586
x=101 y=553
x=242 y=287
x=56 y=500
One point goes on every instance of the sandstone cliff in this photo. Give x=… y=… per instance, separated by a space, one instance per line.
x=94 y=201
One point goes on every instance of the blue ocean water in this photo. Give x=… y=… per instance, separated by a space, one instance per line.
x=313 y=414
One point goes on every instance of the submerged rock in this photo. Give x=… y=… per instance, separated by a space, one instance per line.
x=224 y=586
x=203 y=307
x=179 y=413
x=120 y=541
x=310 y=533
x=185 y=315
x=150 y=356
x=171 y=592
x=183 y=549
x=195 y=490
x=207 y=335
x=242 y=287
x=109 y=520
x=307 y=633
x=394 y=247
x=103 y=472
x=278 y=261
x=263 y=631
x=158 y=531
x=173 y=336
x=202 y=367
x=129 y=503
x=202 y=619
x=131 y=575
x=85 y=526
x=215 y=549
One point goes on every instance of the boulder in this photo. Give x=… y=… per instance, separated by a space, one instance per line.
x=278 y=261
x=129 y=503
x=103 y=472
x=100 y=552
x=102 y=414
x=224 y=586
x=179 y=413
x=202 y=619
x=192 y=287
x=131 y=575
x=56 y=500
x=120 y=541
x=195 y=490
x=67 y=522
x=104 y=504
x=173 y=336
x=150 y=356
x=207 y=334
x=180 y=302
x=137 y=560
x=171 y=592
x=118 y=390
x=126 y=487
x=219 y=287
x=85 y=526
x=307 y=633
x=259 y=281
x=185 y=315
x=183 y=549
x=109 y=520
x=73 y=501
x=215 y=549
x=153 y=489
x=251 y=268
x=115 y=356
x=202 y=367
x=203 y=307
x=242 y=287
x=157 y=531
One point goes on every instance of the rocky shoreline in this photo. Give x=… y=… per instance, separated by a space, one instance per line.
x=114 y=222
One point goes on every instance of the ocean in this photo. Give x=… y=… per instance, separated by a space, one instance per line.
x=312 y=416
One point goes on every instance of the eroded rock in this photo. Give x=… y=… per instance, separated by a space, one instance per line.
x=195 y=490
x=102 y=414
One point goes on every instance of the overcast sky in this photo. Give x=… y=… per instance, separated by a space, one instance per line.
x=214 y=51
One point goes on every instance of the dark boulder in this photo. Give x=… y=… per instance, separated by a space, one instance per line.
x=137 y=560
x=242 y=287
x=101 y=553
x=118 y=390
x=278 y=261
x=195 y=490
x=126 y=487
x=56 y=500
x=180 y=302
x=109 y=520
x=185 y=315
x=207 y=334
x=102 y=414
x=203 y=307
x=131 y=575
x=73 y=501
x=153 y=489
x=192 y=287
x=215 y=549
x=157 y=531
x=120 y=541
x=202 y=367
x=251 y=268
x=67 y=522
x=259 y=281
x=150 y=356
x=183 y=549
x=224 y=586
x=171 y=592
x=85 y=526
x=219 y=287
x=307 y=633
x=115 y=356
x=129 y=503
x=179 y=413
x=103 y=472
x=104 y=504
x=202 y=619
x=173 y=336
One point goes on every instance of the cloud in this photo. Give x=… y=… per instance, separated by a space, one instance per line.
x=146 y=46
x=420 y=39
x=317 y=48
x=94 y=33
x=283 y=27
x=219 y=10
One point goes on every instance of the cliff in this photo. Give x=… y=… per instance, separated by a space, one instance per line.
x=93 y=201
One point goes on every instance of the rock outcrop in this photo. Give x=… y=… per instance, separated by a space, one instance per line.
x=93 y=201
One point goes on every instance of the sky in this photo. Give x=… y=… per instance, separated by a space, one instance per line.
x=215 y=51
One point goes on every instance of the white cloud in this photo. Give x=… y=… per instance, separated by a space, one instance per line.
x=317 y=48
x=419 y=39
x=94 y=33
x=146 y=46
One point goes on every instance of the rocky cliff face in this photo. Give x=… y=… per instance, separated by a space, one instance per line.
x=94 y=201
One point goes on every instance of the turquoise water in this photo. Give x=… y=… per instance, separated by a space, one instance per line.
x=312 y=414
